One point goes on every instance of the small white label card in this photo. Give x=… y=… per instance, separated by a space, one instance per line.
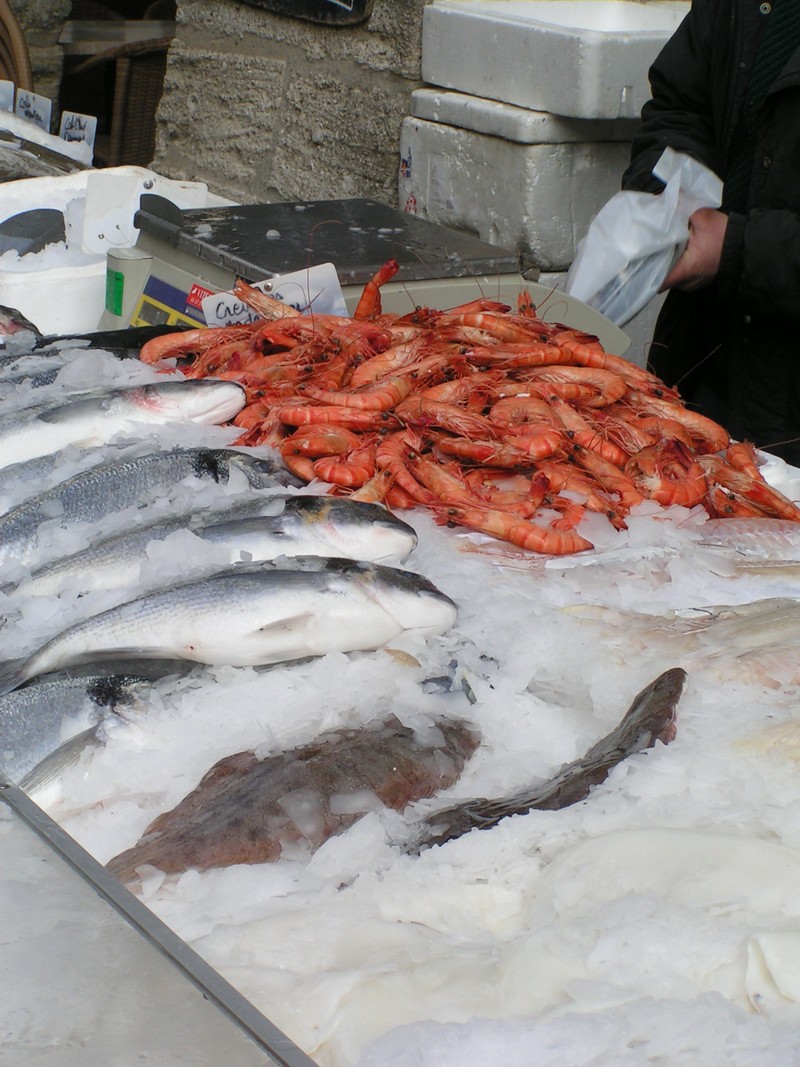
x=34 y=107
x=77 y=127
x=314 y=290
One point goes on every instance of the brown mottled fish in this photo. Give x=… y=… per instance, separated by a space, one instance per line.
x=246 y=809
x=650 y=718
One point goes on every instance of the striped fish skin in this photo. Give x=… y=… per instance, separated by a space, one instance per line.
x=35 y=719
x=259 y=529
x=253 y=614
x=91 y=495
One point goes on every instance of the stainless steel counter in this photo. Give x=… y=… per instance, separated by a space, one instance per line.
x=90 y=976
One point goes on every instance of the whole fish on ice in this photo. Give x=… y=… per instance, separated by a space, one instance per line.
x=253 y=614
x=650 y=718
x=261 y=529
x=36 y=719
x=247 y=810
x=102 y=490
x=753 y=642
x=97 y=418
x=128 y=340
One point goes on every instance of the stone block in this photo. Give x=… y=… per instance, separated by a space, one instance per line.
x=536 y=197
x=584 y=58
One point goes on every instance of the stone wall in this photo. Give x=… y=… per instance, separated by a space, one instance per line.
x=41 y=22
x=265 y=107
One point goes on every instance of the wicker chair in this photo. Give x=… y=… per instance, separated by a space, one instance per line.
x=15 y=61
x=139 y=70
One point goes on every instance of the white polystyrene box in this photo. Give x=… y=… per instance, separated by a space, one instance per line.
x=580 y=58
x=536 y=197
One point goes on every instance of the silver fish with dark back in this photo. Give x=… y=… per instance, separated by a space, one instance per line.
x=97 y=417
x=91 y=495
x=259 y=528
x=35 y=719
x=253 y=614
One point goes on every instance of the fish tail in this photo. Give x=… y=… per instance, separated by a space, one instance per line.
x=13 y=673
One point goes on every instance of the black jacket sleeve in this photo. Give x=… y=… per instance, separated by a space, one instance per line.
x=679 y=114
x=759 y=272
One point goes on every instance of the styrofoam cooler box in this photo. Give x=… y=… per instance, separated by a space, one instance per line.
x=517 y=178
x=581 y=58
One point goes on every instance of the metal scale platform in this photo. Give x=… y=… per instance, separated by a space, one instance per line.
x=182 y=256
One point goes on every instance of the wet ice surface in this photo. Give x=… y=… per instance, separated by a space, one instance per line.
x=657 y=919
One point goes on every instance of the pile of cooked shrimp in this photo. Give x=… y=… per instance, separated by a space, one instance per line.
x=490 y=417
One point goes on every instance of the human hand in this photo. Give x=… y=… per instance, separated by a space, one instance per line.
x=698 y=265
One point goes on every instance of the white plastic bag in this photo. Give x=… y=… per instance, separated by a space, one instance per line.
x=635 y=238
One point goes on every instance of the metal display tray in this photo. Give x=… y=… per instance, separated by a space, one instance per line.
x=90 y=975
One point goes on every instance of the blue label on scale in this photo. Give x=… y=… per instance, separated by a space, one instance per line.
x=165 y=304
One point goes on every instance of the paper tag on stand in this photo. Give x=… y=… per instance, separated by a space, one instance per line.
x=34 y=107
x=6 y=96
x=77 y=127
x=314 y=290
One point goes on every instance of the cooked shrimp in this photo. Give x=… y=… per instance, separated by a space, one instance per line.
x=190 y=342
x=266 y=306
x=608 y=477
x=513 y=411
x=299 y=414
x=669 y=474
x=352 y=470
x=392 y=454
x=509 y=527
x=593 y=386
x=742 y=456
x=707 y=436
x=753 y=489
x=369 y=305
x=422 y=412
x=320 y=439
x=380 y=396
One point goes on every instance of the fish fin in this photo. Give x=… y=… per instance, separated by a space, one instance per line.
x=12 y=675
x=294 y=622
x=77 y=408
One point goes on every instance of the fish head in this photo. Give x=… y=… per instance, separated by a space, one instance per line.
x=207 y=401
x=355 y=529
x=656 y=705
x=411 y=600
x=261 y=472
x=13 y=321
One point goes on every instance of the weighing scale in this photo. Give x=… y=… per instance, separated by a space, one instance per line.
x=183 y=256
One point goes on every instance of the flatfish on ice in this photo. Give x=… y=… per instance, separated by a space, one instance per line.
x=246 y=809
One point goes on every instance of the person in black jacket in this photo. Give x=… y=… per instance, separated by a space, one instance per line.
x=726 y=91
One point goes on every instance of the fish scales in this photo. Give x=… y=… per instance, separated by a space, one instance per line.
x=253 y=615
x=246 y=809
x=650 y=718
x=90 y=495
x=35 y=718
x=96 y=417
x=254 y=529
